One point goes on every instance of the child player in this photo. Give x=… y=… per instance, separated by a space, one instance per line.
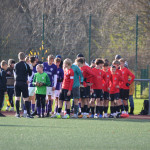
x=51 y=69
x=85 y=91
x=124 y=89
x=60 y=77
x=98 y=88
x=106 y=87
x=3 y=87
x=65 y=94
x=40 y=80
x=114 y=90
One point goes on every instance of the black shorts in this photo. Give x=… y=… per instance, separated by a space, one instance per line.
x=85 y=92
x=63 y=95
x=114 y=96
x=124 y=94
x=106 y=96
x=98 y=94
x=75 y=93
x=21 y=87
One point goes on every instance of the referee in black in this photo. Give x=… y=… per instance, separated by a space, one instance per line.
x=21 y=72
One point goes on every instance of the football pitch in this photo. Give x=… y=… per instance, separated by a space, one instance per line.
x=74 y=134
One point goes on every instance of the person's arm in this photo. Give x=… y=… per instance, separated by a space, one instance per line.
x=4 y=81
x=55 y=77
x=81 y=75
x=132 y=78
x=29 y=70
x=47 y=81
x=34 y=80
x=71 y=80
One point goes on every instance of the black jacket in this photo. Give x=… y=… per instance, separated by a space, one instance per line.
x=22 y=70
x=3 y=80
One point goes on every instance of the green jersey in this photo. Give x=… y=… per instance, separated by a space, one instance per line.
x=41 y=78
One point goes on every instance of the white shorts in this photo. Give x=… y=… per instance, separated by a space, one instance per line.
x=31 y=91
x=57 y=93
x=49 y=91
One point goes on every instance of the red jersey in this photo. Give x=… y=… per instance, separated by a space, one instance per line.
x=98 y=79
x=107 y=80
x=87 y=74
x=68 y=79
x=114 y=82
x=126 y=73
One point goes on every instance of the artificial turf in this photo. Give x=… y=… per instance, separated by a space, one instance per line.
x=74 y=134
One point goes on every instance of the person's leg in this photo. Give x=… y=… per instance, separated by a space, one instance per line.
x=131 y=104
x=38 y=101
x=43 y=104
x=68 y=107
x=1 y=99
x=76 y=106
x=92 y=104
x=33 y=103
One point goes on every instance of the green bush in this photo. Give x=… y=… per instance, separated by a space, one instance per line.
x=145 y=94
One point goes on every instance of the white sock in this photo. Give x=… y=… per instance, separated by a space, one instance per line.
x=25 y=112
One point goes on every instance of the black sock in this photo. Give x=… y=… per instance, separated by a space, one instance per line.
x=30 y=105
x=121 y=107
x=82 y=109
x=97 y=109
x=85 y=108
x=112 y=109
x=68 y=112
x=118 y=108
x=92 y=109
x=59 y=110
x=126 y=108
x=27 y=104
x=105 y=109
x=17 y=107
x=101 y=110
x=88 y=110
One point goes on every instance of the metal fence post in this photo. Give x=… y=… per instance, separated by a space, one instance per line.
x=149 y=98
x=89 y=37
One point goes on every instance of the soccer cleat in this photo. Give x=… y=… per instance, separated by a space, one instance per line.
x=29 y=116
x=58 y=116
x=111 y=116
x=124 y=115
x=96 y=116
x=88 y=116
x=92 y=116
x=80 y=116
x=42 y=116
x=118 y=115
x=1 y=115
x=17 y=115
x=54 y=116
x=7 y=108
x=105 y=116
x=75 y=116
x=34 y=113
x=24 y=115
x=66 y=116
x=12 y=109
x=84 y=116
x=100 y=116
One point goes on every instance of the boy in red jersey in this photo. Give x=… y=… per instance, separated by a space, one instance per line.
x=106 y=88
x=65 y=94
x=124 y=87
x=119 y=105
x=85 y=91
x=114 y=90
x=98 y=89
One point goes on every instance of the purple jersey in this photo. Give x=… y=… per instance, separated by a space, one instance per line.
x=60 y=77
x=51 y=70
x=30 y=78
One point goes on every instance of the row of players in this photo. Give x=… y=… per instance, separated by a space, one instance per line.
x=78 y=81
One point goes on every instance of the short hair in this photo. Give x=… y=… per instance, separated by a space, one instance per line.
x=106 y=64
x=106 y=60
x=79 y=55
x=99 y=61
x=80 y=60
x=68 y=61
x=11 y=61
x=57 y=59
x=113 y=67
x=116 y=62
x=50 y=57
x=3 y=63
x=21 y=56
x=32 y=59
x=27 y=58
x=40 y=65
x=122 y=60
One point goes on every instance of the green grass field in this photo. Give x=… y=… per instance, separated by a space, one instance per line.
x=74 y=134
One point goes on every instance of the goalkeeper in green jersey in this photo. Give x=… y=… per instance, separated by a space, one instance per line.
x=40 y=80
